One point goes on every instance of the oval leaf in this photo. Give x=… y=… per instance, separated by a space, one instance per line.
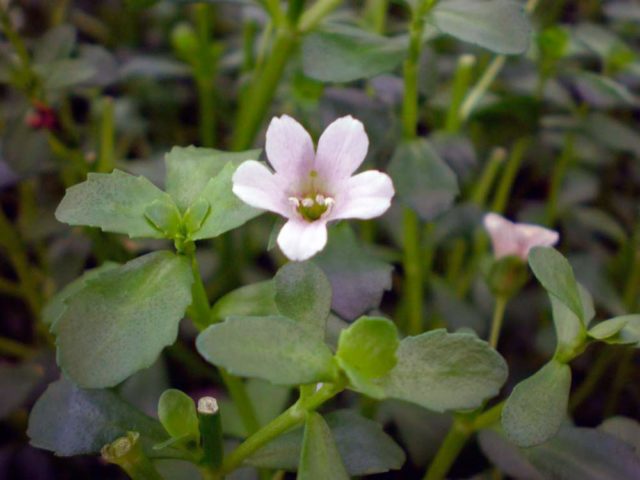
x=497 y=25
x=274 y=348
x=445 y=371
x=120 y=322
x=537 y=406
x=319 y=458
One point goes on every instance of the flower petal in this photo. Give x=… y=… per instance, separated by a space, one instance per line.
x=289 y=148
x=503 y=235
x=255 y=185
x=366 y=195
x=300 y=240
x=341 y=149
x=530 y=236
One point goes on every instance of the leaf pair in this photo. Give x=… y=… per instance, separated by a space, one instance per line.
x=198 y=204
x=432 y=369
x=537 y=406
x=115 y=320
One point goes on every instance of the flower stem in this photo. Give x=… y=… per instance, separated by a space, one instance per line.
x=509 y=175
x=496 y=322
x=461 y=82
x=449 y=450
x=375 y=14
x=200 y=311
x=464 y=425
x=291 y=417
x=412 y=263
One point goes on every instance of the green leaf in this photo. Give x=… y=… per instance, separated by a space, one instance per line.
x=190 y=169
x=273 y=348
x=114 y=202
x=164 y=216
x=255 y=300
x=70 y=421
x=497 y=25
x=608 y=328
x=119 y=323
x=177 y=413
x=17 y=381
x=227 y=210
x=303 y=294
x=341 y=53
x=537 y=406
x=367 y=350
x=445 y=371
x=65 y=73
x=56 y=306
x=612 y=133
x=319 y=458
x=358 y=279
x=574 y=453
x=585 y=454
x=624 y=329
x=422 y=179
x=555 y=274
x=56 y=44
x=364 y=447
x=571 y=332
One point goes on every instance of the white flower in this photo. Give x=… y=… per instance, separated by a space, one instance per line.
x=509 y=238
x=312 y=188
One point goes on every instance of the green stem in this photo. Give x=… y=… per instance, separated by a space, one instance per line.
x=488 y=77
x=632 y=287
x=315 y=14
x=498 y=317
x=258 y=97
x=557 y=178
x=412 y=264
x=200 y=311
x=488 y=176
x=413 y=272
x=16 y=251
x=375 y=14
x=625 y=366
x=464 y=425
x=204 y=73
x=449 y=450
x=596 y=372
x=106 y=159
x=291 y=417
x=11 y=348
x=242 y=401
x=461 y=82
x=509 y=175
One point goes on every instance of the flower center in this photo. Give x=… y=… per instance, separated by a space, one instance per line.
x=312 y=208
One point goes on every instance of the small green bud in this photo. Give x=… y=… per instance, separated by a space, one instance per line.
x=366 y=351
x=164 y=216
x=177 y=413
x=553 y=43
x=195 y=215
x=507 y=275
x=184 y=41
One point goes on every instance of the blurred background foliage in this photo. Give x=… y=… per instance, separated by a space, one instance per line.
x=552 y=138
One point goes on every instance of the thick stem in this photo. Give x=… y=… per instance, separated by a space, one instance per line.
x=496 y=322
x=315 y=14
x=375 y=14
x=449 y=450
x=242 y=401
x=509 y=175
x=461 y=83
x=290 y=418
x=413 y=269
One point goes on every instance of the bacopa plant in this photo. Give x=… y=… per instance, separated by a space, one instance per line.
x=352 y=299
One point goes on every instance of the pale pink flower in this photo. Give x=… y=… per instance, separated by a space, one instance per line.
x=311 y=188
x=509 y=238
